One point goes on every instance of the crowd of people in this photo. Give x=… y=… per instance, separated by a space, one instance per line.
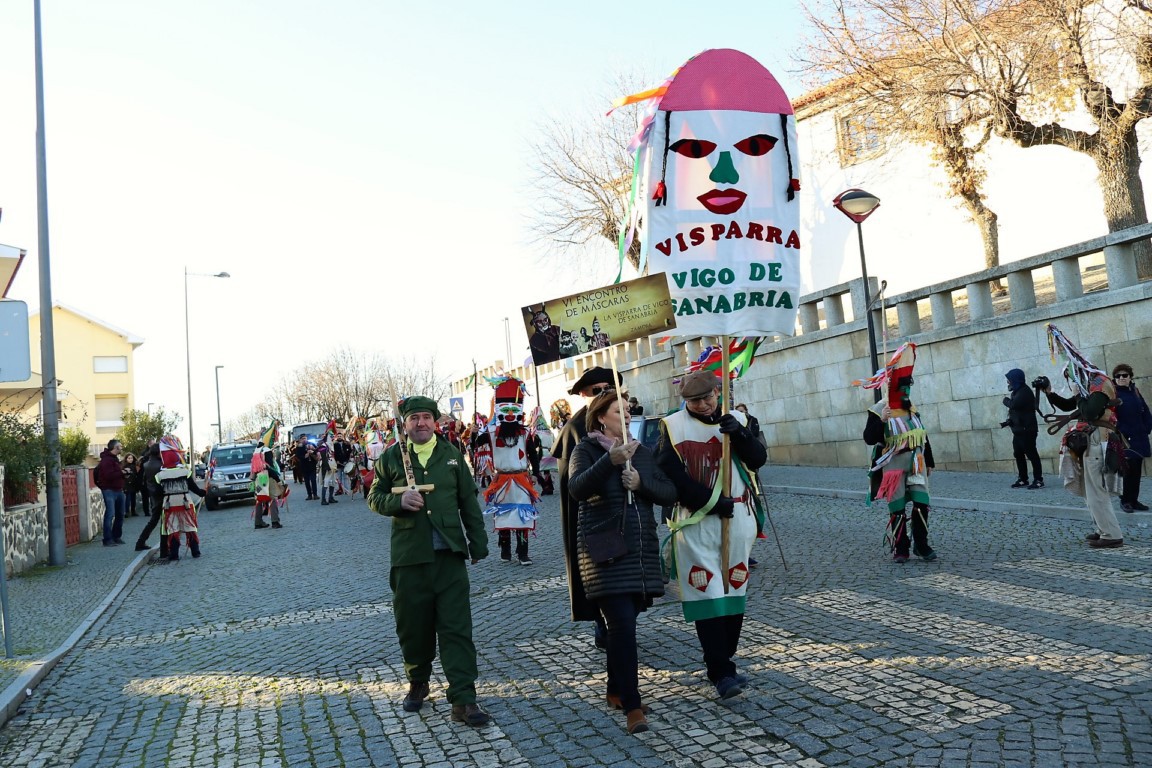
x=441 y=479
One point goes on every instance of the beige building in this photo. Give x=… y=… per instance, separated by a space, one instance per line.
x=94 y=369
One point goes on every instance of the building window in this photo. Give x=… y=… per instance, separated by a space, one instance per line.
x=110 y=412
x=117 y=364
x=858 y=139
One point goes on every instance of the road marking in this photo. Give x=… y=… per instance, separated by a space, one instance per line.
x=1003 y=648
x=1111 y=612
x=226 y=628
x=1124 y=579
x=888 y=687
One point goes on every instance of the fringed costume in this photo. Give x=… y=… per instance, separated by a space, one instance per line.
x=175 y=481
x=1091 y=450
x=511 y=498
x=901 y=457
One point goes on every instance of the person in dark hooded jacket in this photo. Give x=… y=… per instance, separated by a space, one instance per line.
x=1021 y=405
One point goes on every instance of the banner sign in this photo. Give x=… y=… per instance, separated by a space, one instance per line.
x=596 y=319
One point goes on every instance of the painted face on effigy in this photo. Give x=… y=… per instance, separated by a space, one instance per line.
x=721 y=160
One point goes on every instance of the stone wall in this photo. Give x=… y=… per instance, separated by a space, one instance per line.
x=25 y=529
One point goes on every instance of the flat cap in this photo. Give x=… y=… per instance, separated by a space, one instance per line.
x=698 y=384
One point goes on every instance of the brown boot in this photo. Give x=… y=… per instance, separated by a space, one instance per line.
x=637 y=723
x=414 y=700
x=613 y=701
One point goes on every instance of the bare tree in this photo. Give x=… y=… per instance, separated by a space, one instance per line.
x=583 y=177
x=1012 y=64
x=344 y=385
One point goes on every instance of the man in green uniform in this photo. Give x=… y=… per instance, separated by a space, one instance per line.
x=433 y=532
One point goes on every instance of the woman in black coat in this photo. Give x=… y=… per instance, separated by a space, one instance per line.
x=605 y=465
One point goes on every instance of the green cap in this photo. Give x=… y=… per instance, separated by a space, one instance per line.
x=418 y=404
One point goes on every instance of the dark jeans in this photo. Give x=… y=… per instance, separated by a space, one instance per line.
x=310 y=484
x=1024 y=447
x=1131 y=492
x=129 y=503
x=113 y=515
x=619 y=612
x=719 y=638
x=157 y=506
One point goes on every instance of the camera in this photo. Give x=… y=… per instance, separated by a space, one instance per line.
x=1041 y=382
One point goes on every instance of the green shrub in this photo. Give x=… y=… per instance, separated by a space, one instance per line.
x=22 y=450
x=74 y=444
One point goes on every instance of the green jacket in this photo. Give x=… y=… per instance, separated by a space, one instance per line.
x=452 y=507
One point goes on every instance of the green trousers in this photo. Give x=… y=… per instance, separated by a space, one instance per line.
x=430 y=601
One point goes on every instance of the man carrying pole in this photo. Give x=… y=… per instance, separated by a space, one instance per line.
x=712 y=574
x=423 y=484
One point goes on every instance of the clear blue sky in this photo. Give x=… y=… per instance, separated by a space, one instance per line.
x=360 y=168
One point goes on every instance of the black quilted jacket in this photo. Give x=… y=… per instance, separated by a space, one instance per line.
x=595 y=482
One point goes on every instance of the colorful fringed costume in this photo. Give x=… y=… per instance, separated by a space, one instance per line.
x=901 y=456
x=1091 y=450
x=175 y=481
x=511 y=498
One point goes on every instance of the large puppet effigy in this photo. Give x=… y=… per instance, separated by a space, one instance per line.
x=717 y=169
x=717 y=208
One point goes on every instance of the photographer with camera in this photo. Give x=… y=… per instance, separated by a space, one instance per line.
x=1091 y=451
x=1021 y=405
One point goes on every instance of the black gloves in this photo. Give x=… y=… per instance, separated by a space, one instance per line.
x=1007 y=402
x=724 y=507
x=730 y=426
x=1004 y=424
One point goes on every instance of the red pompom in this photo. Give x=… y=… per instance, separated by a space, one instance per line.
x=795 y=185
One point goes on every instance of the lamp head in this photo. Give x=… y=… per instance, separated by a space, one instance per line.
x=856 y=204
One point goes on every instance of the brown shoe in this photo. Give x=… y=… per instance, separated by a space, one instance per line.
x=417 y=692
x=470 y=714
x=637 y=723
x=1106 y=543
x=613 y=701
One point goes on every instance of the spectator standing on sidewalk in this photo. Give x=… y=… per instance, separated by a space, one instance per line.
x=110 y=480
x=1021 y=405
x=131 y=469
x=1134 y=421
x=434 y=534
x=1090 y=450
x=634 y=407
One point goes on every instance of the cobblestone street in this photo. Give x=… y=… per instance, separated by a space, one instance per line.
x=1019 y=647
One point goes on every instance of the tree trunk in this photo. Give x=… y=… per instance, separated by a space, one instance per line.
x=1123 y=194
x=989 y=224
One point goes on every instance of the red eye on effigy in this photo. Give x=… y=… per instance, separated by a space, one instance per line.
x=694 y=148
x=755 y=146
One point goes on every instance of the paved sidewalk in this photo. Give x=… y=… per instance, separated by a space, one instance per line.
x=1019 y=646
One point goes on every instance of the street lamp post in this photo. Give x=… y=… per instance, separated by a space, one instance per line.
x=188 y=357
x=858 y=205
x=219 y=429
x=507 y=345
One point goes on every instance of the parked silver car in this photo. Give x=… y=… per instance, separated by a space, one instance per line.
x=229 y=473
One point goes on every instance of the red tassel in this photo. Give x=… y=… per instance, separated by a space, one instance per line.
x=661 y=192
x=795 y=185
x=890 y=482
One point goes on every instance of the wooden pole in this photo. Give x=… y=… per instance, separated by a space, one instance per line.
x=725 y=461
x=623 y=424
